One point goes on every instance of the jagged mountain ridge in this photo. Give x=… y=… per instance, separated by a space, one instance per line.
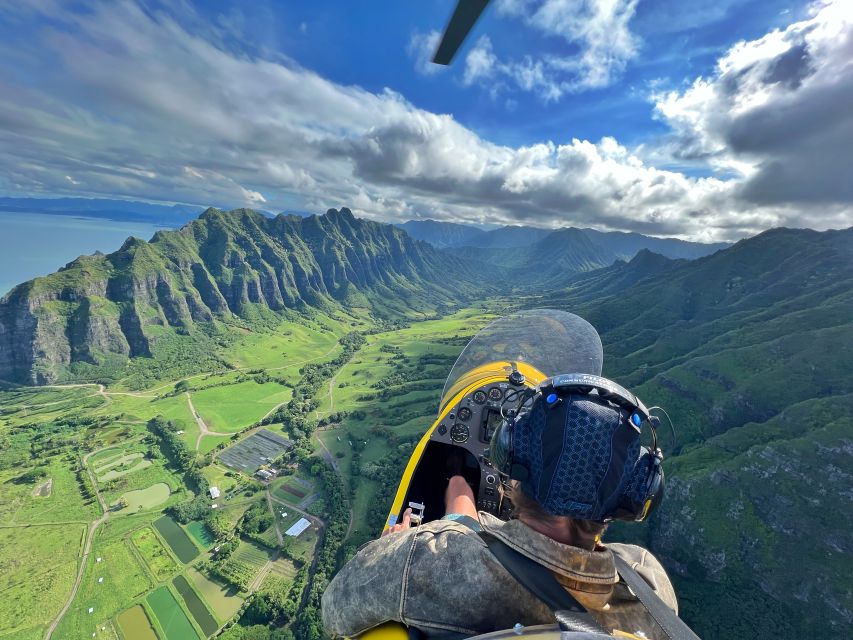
x=218 y=265
x=450 y=235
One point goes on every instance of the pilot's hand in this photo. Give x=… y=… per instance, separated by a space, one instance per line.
x=402 y=526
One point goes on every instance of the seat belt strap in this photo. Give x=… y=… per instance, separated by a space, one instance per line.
x=542 y=584
x=673 y=626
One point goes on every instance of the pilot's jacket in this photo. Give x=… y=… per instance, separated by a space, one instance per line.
x=441 y=577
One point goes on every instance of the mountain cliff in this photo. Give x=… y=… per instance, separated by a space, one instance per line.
x=222 y=264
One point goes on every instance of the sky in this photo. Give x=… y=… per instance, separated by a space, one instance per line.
x=684 y=118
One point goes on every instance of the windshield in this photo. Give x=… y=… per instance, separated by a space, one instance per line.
x=549 y=340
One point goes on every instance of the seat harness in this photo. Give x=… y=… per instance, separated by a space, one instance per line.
x=570 y=614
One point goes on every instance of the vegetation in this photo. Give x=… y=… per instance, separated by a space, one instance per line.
x=745 y=350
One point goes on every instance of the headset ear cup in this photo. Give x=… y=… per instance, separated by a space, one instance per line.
x=654 y=488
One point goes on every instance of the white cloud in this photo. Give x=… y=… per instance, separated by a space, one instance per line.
x=480 y=62
x=600 y=31
x=776 y=112
x=421 y=49
x=137 y=104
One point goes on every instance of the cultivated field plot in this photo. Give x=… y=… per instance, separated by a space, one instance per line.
x=120 y=464
x=38 y=566
x=224 y=600
x=108 y=587
x=292 y=489
x=252 y=555
x=259 y=448
x=177 y=539
x=196 y=606
x=135 y=624
x=159 y=562
x=171 y=618
x=200 y=533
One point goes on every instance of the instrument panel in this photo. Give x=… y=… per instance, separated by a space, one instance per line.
x=471 y=425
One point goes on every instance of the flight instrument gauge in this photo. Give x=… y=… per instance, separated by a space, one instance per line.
x=459 y=433
x=480 y=397
x=496 y=393
x=464 y=414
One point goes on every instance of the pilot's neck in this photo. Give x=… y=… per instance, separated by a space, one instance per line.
x=560 y=530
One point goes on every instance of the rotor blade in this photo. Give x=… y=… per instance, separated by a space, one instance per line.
x=460 y=25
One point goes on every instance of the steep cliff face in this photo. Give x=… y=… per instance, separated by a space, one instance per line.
x=220 y=264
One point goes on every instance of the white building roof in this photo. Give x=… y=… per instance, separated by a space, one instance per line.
x=298 y=527
x=214 y=492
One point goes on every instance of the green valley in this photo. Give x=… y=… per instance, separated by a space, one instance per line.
x=130 y=506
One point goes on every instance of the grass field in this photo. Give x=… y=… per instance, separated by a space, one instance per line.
x=108 y=587
x=159 y=561
x=170 y=616
x=65 y=503
x=147 y=498
x=38 y=565
x=230 y=408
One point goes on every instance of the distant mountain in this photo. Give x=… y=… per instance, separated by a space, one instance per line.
x=442 y=234
x=124 y=210
x=627 y=245
x=750 y=350
x=506 y=238
x=222 y=264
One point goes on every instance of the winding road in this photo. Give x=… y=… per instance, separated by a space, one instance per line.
x=87 y=549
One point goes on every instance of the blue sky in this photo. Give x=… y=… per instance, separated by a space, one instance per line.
x=700 y=120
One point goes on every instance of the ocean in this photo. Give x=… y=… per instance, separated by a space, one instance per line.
x=36 y=244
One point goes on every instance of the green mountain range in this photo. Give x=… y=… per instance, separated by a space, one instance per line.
x=222 y=265
x=750 y=351
x=748 y=348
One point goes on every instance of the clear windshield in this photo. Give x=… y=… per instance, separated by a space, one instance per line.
x=551 y=341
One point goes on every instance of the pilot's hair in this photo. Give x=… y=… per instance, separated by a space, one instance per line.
x=582 y=533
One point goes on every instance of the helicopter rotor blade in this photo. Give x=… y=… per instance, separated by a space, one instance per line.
x=464 y=16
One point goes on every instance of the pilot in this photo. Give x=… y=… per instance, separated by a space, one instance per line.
x=442 y=578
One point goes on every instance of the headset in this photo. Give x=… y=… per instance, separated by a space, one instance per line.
x=643 y=491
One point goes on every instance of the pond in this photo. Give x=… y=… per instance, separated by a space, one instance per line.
x=177 y=538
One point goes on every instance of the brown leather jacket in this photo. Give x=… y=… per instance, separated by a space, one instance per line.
x=441 y=577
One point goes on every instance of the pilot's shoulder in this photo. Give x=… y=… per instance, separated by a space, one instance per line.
x=649 y=567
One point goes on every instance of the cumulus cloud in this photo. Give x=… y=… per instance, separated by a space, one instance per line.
x=138 y=103
x=777 y=112
x=598 y=31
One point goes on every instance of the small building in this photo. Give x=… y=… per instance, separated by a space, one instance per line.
x=214 y=493
x=263 y=474
x=298 y=527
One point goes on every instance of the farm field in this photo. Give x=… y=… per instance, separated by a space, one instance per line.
x=146 y=543
x=177 y=539
x=170 y=616
x=38 y=565
x=200 y=533
x=159 y=561
x=224 y=600
x=136 y=625
x=195 y=605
